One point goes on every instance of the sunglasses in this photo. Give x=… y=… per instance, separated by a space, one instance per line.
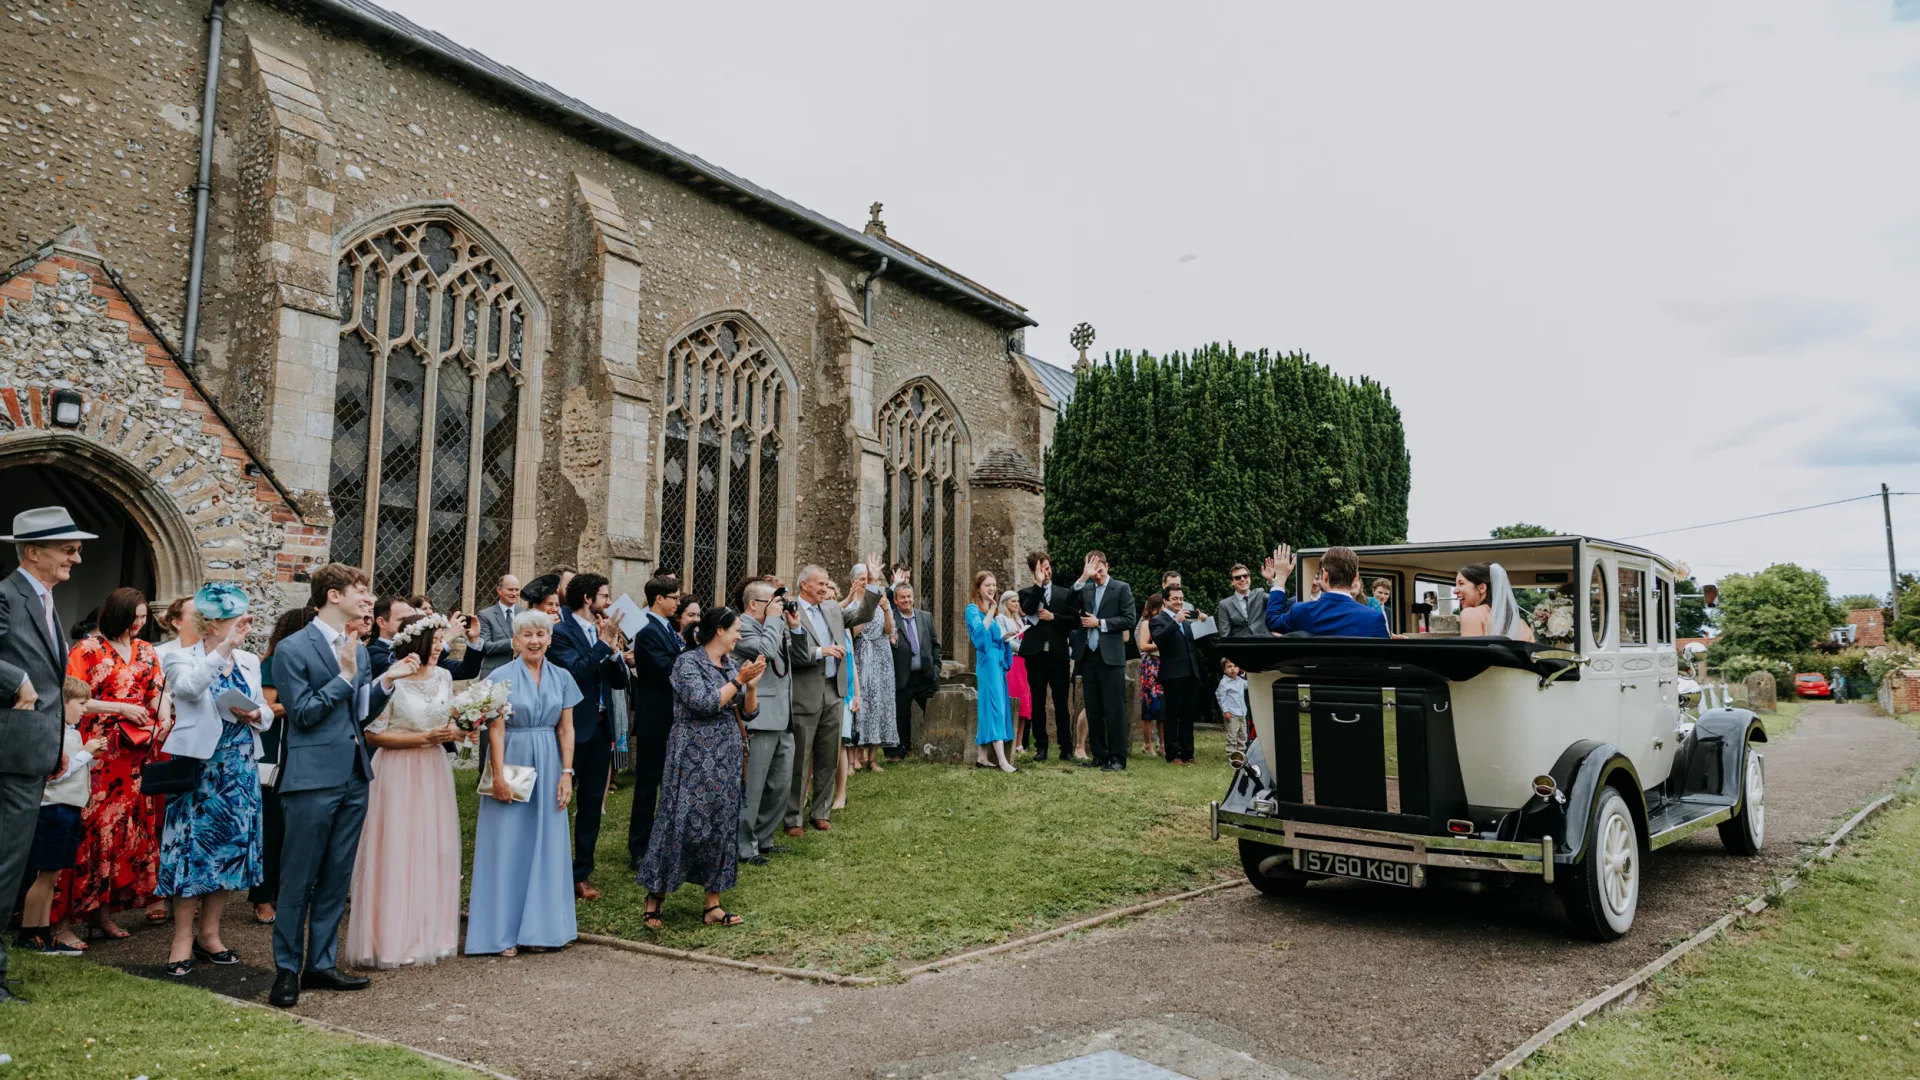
x=1240 y=577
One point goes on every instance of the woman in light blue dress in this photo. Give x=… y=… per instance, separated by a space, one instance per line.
x=522 y=894
x=992 y=656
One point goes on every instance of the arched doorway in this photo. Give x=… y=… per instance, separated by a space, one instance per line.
x=133 y=519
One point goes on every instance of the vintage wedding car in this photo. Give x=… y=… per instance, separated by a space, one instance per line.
x=1472 y=761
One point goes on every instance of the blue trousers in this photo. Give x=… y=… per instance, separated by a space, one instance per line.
x=316 y=872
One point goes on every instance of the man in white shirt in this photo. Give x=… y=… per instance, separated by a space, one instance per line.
x=496 y=625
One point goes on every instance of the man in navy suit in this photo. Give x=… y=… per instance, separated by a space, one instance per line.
x=653 y=652
x=390 y=611
x=586 y=643
x=1336 y=613
x=324 y=681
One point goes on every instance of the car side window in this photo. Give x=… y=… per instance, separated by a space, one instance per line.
x=1597 y=605
x=1633 y=615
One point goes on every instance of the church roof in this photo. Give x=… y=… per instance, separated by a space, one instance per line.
x=1006 y=467
x=617 y=136
x=1057 y=380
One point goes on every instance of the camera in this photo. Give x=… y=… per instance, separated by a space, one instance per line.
x=786 y=605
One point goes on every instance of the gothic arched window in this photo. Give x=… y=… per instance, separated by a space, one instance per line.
x=722 y=451
x=427 y=411
x=924 y=445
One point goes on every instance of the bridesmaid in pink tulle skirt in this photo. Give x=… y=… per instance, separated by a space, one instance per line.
x=406 y=881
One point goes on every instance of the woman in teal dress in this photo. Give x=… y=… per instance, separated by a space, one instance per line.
x=992 y=656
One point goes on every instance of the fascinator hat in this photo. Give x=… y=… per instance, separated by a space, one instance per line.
x=218 y=600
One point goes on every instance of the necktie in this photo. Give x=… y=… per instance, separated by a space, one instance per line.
x=53 y=625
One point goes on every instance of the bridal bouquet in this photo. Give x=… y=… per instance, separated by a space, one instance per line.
x=480 y=704
x=1552 y=621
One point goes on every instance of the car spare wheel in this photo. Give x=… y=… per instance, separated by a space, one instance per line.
x=1277 y=880
x=1603 y=890
x=1747 y=829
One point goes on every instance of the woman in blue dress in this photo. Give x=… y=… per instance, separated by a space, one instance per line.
x=210 y=842
x=696 y=830
x=992 y=656
x=522 y=894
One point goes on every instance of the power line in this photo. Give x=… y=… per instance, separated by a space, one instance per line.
x=1756 y=517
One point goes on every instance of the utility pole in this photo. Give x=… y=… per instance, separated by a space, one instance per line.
x=1893 y=572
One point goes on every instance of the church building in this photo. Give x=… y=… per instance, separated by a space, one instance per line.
x=453 y=323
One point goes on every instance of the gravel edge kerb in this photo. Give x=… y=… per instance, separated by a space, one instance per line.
x=1627 y=989
x=336 y=1029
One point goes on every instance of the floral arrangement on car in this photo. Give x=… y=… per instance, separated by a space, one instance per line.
x=481 y=704
x=1552 y=621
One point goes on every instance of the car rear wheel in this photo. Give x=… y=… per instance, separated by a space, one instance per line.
x=1746 y=831
x=1279 y=881
x=1604 y=888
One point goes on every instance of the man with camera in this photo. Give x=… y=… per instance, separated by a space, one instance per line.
x=767 y=625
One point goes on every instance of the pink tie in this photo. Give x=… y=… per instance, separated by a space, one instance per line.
x=46 y=605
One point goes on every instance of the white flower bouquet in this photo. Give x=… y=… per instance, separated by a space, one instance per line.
x=481 y=704
x=1552 y=621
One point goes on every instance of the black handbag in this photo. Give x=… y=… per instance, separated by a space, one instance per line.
x=175 y=776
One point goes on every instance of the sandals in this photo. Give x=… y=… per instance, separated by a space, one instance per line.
x=180 y=969
x=652 y=919
x=726 y=918
x=107 y=929
x=223 y=957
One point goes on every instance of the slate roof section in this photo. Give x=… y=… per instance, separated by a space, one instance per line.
x=1006 y=467
x=418 y=44
x=1057 y=380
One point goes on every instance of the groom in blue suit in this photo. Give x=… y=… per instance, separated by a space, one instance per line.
x=326 y=683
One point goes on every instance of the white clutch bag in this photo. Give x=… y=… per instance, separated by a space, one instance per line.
x=519 y=780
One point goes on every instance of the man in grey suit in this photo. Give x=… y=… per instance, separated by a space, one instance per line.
x=324 y=680
x=819 y=685
x=496 y=625
x=1107 y=619
x=33 y=663
x=1243 y=614
x=766 y=628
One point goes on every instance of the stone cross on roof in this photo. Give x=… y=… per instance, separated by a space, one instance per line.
x=1081 y=337
x=875 y=227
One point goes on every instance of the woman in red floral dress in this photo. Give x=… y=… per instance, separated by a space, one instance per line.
x=120 y=846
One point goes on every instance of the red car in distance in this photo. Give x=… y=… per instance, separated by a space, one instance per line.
x=1810 y=684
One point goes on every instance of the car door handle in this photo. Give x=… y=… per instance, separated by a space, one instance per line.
x=1626 y=686
x=1667 y=682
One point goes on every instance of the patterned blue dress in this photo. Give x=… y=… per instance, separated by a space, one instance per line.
x=210 y=841
x=992 y=656
x=696 y=829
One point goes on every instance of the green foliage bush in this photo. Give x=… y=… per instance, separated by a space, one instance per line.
x=1736 y=668
x=1887 y=658
x=1779 y=612
x=1906 y=629
x=1194 y=462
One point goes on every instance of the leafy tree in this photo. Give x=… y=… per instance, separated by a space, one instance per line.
x=1859 y=602
x=1196 y=461
x=1689 y=610
x=1906 y=628
x=1777 y=613
x=1521 y=531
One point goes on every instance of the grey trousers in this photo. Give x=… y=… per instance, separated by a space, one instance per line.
x=19 y=813
x=816 y=756
x=316 y=872
x=769 y=778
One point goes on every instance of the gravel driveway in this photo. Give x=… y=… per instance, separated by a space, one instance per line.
x=1366 y=982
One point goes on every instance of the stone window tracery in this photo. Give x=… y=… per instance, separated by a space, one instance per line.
x=723 y=449
x=923 y=447
x=427 y=406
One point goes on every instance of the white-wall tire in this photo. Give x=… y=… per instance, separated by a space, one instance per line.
x=1746 y=832
x=1603 y=891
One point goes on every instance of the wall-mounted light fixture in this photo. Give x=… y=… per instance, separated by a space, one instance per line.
x=66 y=408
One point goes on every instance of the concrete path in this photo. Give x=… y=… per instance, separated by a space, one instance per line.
x=1348 y=981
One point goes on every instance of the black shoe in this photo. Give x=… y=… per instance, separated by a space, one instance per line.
x=179 y=969
x=223 y=957
x=286 y=989
x=8 y=997
x=332 y=979
x=755 y=860
x=1091 y=764
x=1113 y=766
x=775 y=849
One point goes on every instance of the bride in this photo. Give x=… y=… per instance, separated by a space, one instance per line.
x=1487 y=606
x=406 y=881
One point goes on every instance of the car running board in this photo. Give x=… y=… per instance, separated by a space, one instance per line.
x=1681 y=818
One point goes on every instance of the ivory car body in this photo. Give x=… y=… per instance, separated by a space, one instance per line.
x=1439 y=759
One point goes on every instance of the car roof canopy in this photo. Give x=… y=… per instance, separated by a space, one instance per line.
x=1443 y=558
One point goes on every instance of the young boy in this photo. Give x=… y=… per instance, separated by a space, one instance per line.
x=56 y=837
x=1232 y=696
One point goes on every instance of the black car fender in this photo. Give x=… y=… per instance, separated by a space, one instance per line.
x=1710 y=763
x=1583 y=772
x=1251 y=781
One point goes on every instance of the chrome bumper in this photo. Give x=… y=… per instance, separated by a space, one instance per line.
x=1458 y=852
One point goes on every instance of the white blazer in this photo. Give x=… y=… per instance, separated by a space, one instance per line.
x=190 y=673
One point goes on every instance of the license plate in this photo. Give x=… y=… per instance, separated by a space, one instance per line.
x=1381 y=871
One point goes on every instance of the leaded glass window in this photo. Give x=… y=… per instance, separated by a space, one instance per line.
x=921 y=440
x=722 y=450
x=426 y=412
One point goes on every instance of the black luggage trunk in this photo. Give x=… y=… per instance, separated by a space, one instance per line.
x=1345 y=736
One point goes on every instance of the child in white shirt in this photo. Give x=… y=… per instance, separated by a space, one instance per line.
x=1232 y=696
x=56 y=836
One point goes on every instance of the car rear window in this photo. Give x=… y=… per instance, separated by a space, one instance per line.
x=1809 y=678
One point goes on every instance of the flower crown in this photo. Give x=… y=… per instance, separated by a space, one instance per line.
x=412 y=630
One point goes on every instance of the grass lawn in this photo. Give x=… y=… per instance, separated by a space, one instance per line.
x=92 y=1021
x=927 y=860
x=1826 y=984
x=1783 y=719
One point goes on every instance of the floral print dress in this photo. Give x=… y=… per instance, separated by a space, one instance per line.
x=696 y=829
x=211 y=839
x=119 y=843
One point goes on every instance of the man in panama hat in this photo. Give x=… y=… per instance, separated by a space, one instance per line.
x=33 y=661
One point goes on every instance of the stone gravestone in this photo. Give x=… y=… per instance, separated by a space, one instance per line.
x=945 y=736
x=1760 y=692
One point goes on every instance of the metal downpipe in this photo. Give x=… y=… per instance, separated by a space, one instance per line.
x=203 y=185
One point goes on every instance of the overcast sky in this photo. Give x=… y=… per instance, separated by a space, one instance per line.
x=1625 y=267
